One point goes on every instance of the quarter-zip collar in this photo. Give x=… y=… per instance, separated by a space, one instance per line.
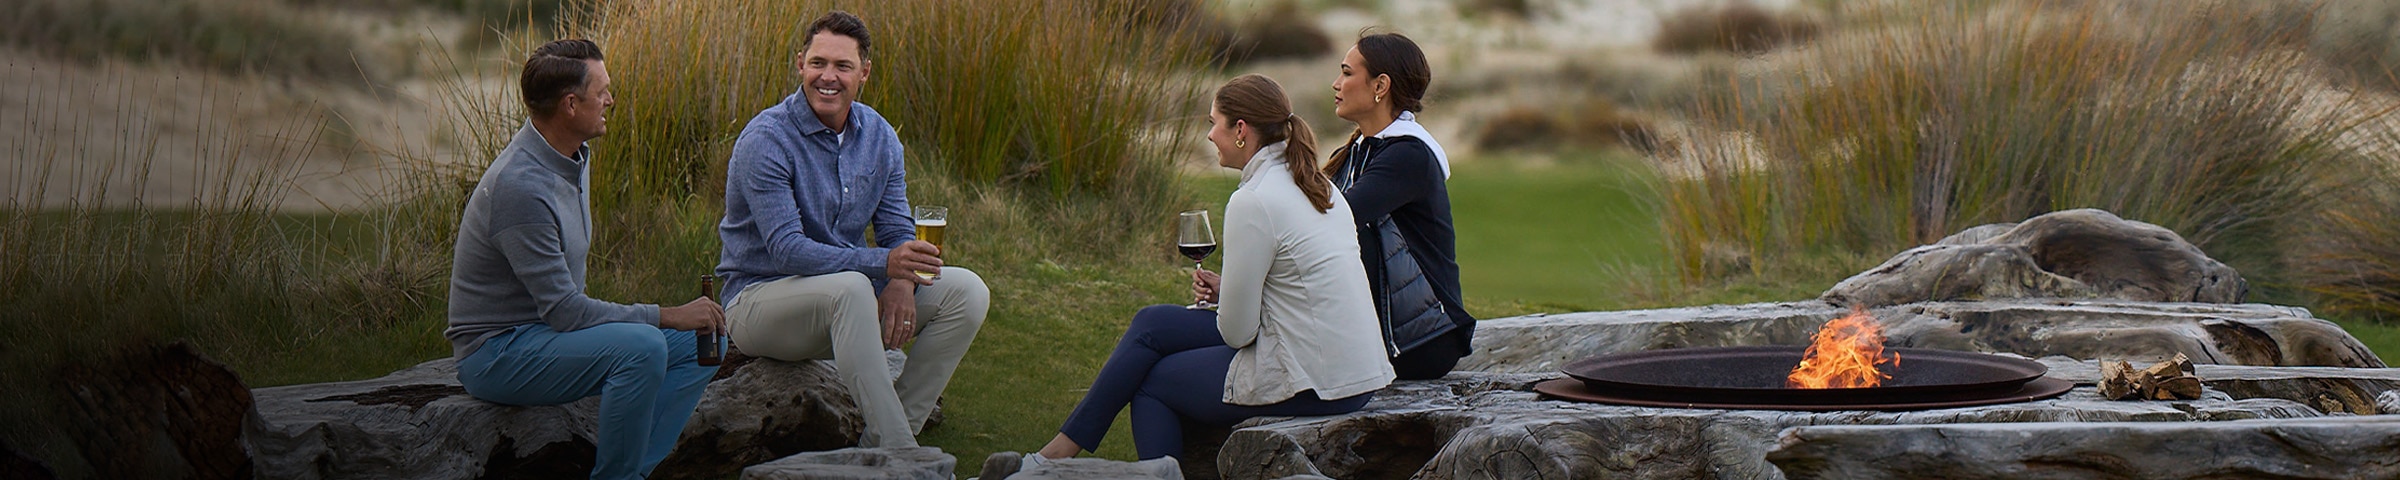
x=533 y=143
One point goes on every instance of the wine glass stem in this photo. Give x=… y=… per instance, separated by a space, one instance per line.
x=1199 y=303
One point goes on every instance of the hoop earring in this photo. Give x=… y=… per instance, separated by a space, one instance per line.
x=1237 y=143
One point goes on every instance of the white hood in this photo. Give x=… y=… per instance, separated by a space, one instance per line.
x=1407 y=126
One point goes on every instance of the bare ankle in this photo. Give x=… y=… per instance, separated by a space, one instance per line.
x=1060 y=447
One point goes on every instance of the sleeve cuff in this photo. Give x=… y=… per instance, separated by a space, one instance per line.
x=875 y=262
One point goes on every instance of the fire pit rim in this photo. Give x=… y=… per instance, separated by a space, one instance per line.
x=1594 y=373
x=2039 y=389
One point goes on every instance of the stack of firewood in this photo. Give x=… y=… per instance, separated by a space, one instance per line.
x=2169 y=380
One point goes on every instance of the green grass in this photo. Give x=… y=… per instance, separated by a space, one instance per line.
x=1566 y=237
x=1051 y=327
x=2382 y=338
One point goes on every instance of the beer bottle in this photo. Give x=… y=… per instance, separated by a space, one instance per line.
x=712 y=350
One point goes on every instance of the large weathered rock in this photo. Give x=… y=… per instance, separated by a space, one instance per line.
x=914 y=463
x=765 y=410
x=2327 y=448
x=419 y=423
x=149 y=411
x=2069 y=254
x=2245 y=334
x=1477 y=425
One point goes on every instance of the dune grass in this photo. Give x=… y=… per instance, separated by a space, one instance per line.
x=1059 y=100
x=1898 y=137
x=86 y=273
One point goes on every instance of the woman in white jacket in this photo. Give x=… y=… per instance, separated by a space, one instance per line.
x=1294 y=333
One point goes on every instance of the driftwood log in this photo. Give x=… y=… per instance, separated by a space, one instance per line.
x=419 y=424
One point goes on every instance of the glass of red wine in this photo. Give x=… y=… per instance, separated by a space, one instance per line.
x=1195 y=238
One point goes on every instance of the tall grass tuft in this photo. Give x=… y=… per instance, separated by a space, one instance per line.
x=1060 y=97
x=88 y=270
x=1071 y=112
x=1892 y=138
x=2351 y=259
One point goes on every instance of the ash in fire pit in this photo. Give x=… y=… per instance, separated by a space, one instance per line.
x=1844 y=358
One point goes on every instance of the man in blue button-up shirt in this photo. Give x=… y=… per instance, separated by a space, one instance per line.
x=807 y=177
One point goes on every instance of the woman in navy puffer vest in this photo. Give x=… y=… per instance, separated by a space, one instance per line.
x=1394 y=176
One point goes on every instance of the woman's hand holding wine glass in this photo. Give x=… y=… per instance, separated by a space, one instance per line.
x=1204 y=286
x=1196 y=239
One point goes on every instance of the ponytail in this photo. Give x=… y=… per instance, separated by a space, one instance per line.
x=1300 y=156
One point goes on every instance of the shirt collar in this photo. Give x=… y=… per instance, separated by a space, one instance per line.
x=805 y=119
x=1272 y=153
x=531 y=141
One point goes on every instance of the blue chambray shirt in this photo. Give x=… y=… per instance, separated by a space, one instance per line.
x=799 y=198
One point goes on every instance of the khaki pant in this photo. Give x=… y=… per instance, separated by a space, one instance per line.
x=834 y=316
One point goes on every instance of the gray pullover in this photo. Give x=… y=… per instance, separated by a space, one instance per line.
x=521 y=247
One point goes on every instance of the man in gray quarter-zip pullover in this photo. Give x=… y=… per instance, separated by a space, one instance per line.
x=521 y=327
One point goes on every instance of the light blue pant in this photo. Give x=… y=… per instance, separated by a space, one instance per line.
x=644 y=375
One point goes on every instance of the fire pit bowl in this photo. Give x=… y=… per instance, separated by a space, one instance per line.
x=1753 y=378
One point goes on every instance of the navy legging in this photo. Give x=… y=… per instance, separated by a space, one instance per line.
x=1170 y=366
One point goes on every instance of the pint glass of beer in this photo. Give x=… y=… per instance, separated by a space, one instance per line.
x=930 y=220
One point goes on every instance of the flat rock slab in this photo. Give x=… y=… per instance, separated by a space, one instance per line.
x=418 y=423
x=1084 y=468
x=2237 y=334
x=2329 y=448
x=1479 y=425
x=2357 y=391
x=915 y=463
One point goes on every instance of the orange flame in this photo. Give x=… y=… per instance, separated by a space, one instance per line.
x=1844 y=355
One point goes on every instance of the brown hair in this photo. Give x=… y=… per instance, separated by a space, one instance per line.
x=1395 y=55
x=840 y=23
x=1258 y=101
x=553 y=71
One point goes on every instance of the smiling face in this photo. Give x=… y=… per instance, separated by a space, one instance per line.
x=1355 y=91
x=832 y=72
x=1223 y=133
